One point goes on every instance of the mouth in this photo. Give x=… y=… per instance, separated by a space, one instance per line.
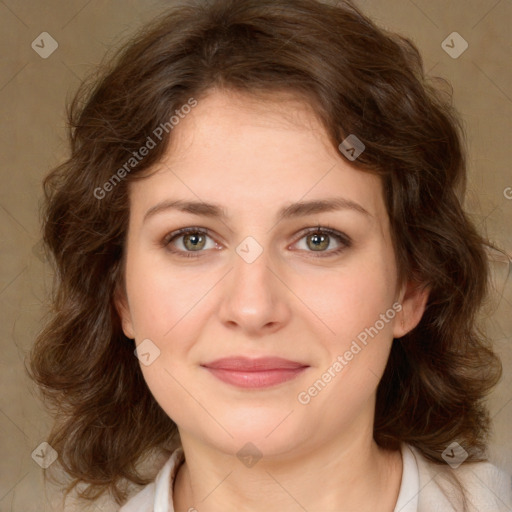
x=249 y=373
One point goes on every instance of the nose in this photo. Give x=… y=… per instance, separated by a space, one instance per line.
x=254 y=298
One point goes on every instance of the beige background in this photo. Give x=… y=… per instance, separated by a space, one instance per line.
x=33 y=92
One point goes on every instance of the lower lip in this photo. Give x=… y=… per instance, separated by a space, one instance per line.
x=258 y=379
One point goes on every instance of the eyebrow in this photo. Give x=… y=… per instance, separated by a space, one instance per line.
x=299 y=209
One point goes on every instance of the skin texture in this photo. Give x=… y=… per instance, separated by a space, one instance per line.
x=253 y=157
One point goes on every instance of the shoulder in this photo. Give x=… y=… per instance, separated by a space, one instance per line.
x=486 y=487
x=158 y=491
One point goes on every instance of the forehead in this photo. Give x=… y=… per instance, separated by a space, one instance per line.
x=254 y=154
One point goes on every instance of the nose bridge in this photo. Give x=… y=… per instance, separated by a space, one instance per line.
x=254 y=298
x=252 y=278
x=251 y=274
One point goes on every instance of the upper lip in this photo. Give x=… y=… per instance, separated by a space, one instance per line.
x=240 y=363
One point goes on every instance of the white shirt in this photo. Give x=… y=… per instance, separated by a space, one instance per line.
x=424 y=487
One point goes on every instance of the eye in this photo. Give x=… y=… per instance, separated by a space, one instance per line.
x=188 y=241
x=192 y=241
x=319 y=239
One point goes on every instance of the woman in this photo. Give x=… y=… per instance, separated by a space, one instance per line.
x=263 y=205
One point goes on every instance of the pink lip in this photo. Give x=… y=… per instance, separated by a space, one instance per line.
x=254 y=373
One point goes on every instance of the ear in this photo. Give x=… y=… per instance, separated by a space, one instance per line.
x=123 y=310
x=413 y=298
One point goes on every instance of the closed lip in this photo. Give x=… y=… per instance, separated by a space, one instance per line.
x=255 y=373
x=260 y=364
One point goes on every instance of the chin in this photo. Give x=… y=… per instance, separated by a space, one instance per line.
x=269 y=433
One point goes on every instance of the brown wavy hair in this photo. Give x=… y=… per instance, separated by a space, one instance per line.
x=360 y=79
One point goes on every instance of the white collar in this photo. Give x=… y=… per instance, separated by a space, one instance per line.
x=165 y=481
x=410 y=487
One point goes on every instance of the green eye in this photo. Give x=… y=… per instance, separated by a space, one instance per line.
x=320 y=239
x=194 y=241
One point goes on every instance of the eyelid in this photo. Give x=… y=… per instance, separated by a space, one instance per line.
x=170 y=237
x=325 y=228
x=183 y=231
x=343 y=239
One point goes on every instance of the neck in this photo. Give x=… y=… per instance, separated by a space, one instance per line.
x=352 y=475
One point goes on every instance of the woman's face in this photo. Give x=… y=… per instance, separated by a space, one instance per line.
x=257 y=178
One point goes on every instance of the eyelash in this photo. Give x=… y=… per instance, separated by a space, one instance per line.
x=343 y=239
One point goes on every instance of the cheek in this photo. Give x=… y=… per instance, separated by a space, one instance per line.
x=352 y=299
x=165 y=304
x=358 y=307
x=161 y=298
